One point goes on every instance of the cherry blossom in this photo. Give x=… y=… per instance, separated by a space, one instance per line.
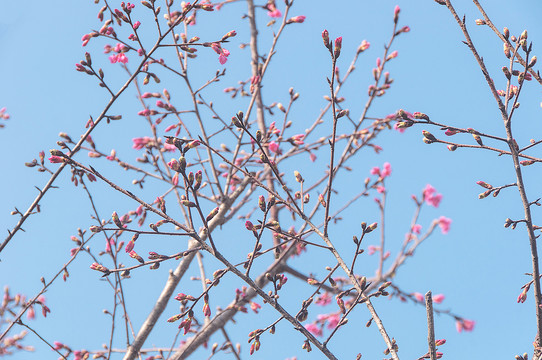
x=444 y=224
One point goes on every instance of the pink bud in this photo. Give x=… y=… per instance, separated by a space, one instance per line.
x=338 y=46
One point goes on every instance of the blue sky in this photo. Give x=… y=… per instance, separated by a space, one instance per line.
x=479 y=265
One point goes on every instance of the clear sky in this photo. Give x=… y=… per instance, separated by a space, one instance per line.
x=479 y=265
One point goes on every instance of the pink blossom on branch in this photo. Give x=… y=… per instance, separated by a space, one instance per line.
x=464 y=324
x=314 y=329
x=419 y=297
x=323 y=299
x=444 y=224
x=222 y=53
x=272 y=10
x=439 y=298
x=430 y=196
x=273 y=147
x=386 y=170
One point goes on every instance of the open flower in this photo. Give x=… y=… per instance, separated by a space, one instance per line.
x=464 y=324
x=444 y=224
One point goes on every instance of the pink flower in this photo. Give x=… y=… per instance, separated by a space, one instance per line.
x=255 y=306
x=431 y=197
x=386 y=171
x=273 y=147
x=333 y=321
x=439 y=298
x=464 y=324
x=314 y=329
x=312 y=157
x=434 y=200
x=381 y=189
x=419 y=297
x=136 y=25
x=272 y=10
x=375 y=171
x=444 y=224
x=323 y=299
x=222 y=53
x=417 y=228
x=31 y=314
x=371 y=249
x=122 y=58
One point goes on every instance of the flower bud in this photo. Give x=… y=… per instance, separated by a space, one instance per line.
x=212 y=214
x=427 y=135
x=261 y=203
x=325 y=37
x=532 y=62
x=338 y=46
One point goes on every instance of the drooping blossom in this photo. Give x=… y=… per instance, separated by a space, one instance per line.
x=121 y=58
x=272 y=10
x=375 y=171
x=444 y=224
x=464 y=324
x=255 y=306
x=273 y=147
x=371 y=249
x=386 y=170
x=430 y=196
x=439 y=298
x=314 y=329
x=140 y=143
x=222 y=53
x=419 y=297
x=333 y=321
x=324 y=299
